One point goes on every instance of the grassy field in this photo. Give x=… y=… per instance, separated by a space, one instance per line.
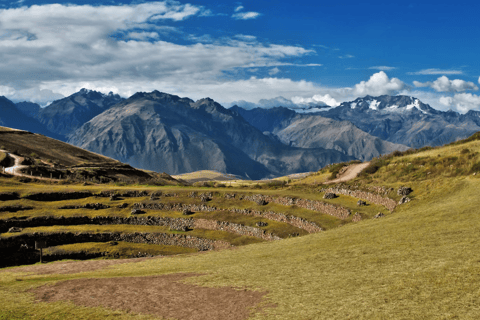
x=419 y=262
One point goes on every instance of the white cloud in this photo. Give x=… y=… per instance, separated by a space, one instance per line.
x=144 y=36
x=40 y=96
x=435 y=71
x=245 y=37
x=273 y=71
x=443 y=84
x=462 y=102
x=378 y=84
x=478 y=80
x=246 y=15
x=6 y=91
x=347 y=56
x=64 y=47
x=317 y=99
x=382 y=68
x=239 y=8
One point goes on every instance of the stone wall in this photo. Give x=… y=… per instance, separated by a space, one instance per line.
x=308 y=226
x=388 y=203
x=234 y=228
x=323 y=207
x=55 y=239
x=174 y=207
x=182 y=224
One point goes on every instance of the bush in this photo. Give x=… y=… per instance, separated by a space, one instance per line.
x=475 y=167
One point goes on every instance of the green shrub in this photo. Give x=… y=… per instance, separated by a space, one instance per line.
x=475 y=167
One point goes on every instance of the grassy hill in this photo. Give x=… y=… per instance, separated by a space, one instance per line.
x=49 y=157
x=420 y=261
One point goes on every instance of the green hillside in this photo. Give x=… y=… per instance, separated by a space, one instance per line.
x=419 y=261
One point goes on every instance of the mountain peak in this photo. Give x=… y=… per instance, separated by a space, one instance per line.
x=390 y=104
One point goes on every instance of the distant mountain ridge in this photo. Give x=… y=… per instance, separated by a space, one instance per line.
x=406 y=120
x=12 y=117
x=163 y=132
x=315 y=131
x=64 y=116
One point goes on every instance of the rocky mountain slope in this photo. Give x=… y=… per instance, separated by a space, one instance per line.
x=12 y=117
x=164 y=132
x=66 y=115
x=406 y=120
x=28 y=108
x=315 y=131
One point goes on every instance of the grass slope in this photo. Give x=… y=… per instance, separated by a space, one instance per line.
x=421 y=262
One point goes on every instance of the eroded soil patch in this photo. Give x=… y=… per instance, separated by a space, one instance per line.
x=162 y=296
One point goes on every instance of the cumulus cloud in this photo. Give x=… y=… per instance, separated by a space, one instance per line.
x=64 y=47
x=318 y=99
x=246 y=15
x=378 y=84
x=462 y=102
x=443 y=84
x=239 y=15
x=347 y=56
x=273 y=71
x=41 y=96
x=435 y=71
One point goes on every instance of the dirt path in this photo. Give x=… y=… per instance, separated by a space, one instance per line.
x=351 y=173
x=17 y=167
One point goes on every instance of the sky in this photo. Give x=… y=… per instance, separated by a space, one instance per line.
x=323 y=52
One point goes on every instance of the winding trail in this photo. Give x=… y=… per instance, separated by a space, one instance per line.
x=17 y=167
x=351 y=173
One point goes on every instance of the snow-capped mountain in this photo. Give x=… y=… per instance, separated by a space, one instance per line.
x=386 y=104
x=406 y=120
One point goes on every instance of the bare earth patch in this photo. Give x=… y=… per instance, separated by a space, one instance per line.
x=162 y=296
x=72 y=266
x=351 y=173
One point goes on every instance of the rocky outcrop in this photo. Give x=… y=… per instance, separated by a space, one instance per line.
x=361 y=203
x=329 y=195
x=404 y=199
x=404 y=191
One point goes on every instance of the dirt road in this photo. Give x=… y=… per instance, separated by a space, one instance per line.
x=17 y=167
x=351 y=173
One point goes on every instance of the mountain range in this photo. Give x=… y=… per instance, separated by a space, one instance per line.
x=163 y=132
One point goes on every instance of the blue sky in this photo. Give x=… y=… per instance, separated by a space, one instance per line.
x=305 y=51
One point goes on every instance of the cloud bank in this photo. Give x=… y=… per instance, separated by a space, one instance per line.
x=443 y=84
